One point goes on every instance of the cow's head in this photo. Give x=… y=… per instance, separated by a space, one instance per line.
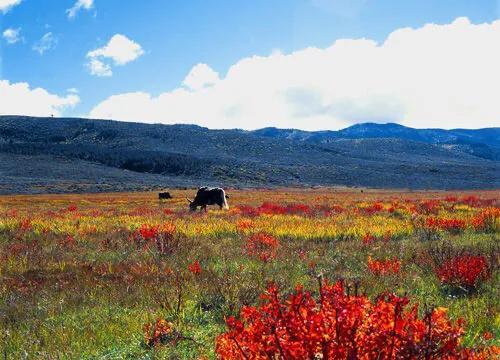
x=192 y=205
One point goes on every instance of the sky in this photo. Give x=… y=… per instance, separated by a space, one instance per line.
x=307 y=64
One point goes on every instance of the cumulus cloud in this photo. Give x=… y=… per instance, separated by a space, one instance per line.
x=434 y=76
x=79 y=5
x=12 y=35
x=47 y=42
x=201 y=76
x=120 y=50
x=21 y=99
x=98 y=68
x=6 y=5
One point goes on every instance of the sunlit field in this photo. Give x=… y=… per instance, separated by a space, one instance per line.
x=126 y=276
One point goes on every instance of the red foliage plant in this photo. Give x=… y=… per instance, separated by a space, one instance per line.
x=429 y=207
x=244 y=224
x=339 y=326
x=486 y=220
x=195 y=268
x=373 y=209
x=262 y=246
x=467 y=271
x=26 y=225
x=384 y=267
x=368 y=239
x=162 y=236
x=268 y=208
x=451 y=225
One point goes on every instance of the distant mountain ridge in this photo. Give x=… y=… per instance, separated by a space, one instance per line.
x=484 y=143
x=371 y=155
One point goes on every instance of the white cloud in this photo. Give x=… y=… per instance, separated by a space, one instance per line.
x=98 y=68
x=20 y=99
x=6 y=5
x=47 y=42
x=80 y=4
x=434 y=76
x=120 y=50
x=201 y=76
x=12 y=35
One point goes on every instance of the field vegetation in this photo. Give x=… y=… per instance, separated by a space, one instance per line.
x=283 y=274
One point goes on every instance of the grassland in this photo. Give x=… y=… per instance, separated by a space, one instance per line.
x=82 y=275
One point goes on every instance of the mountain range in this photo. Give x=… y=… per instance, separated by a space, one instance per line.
x=39 y=155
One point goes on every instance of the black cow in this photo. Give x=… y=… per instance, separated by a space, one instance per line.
x=164 y=196
x=209 y=196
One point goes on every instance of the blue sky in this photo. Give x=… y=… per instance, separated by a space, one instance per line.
x=168 y=38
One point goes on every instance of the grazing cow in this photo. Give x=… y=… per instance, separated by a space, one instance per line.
x=209 y=196
x=164 y=196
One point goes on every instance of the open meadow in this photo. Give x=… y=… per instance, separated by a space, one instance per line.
x=309 y=273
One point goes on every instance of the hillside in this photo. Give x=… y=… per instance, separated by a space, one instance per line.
x=120 y=155
x=483 y=143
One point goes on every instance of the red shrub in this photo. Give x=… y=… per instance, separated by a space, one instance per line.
x=486 y=219
x=26 y=225
x=451 y=225
x=338 y=326
x=471 y=200
x=195 y=268
x=336 y=209
x=384 y=267
x=161 y=236
x=268 y=208
x=244 y=224
x=272 y=209
x=368 y=239
x=262 y=246
x=466 y=271
x=429 y=207
x=167 y=212
x=248 y=210
x=373 y=209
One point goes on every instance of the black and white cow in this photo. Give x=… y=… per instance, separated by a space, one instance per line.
x=209 y=196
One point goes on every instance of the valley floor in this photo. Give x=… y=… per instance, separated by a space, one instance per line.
x=82 y=276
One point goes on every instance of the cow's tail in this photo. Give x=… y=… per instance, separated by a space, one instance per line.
x=224 y=203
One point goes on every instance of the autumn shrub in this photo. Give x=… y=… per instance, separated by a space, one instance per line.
x=487 y=220
x=163 y=237
x=244 y=224
x=263 y=246
x=339 y=326
x=451 y=225
x=465 y=271
x=428 y=207
x=372 y=209
x=384 y=267
x=195 y=268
